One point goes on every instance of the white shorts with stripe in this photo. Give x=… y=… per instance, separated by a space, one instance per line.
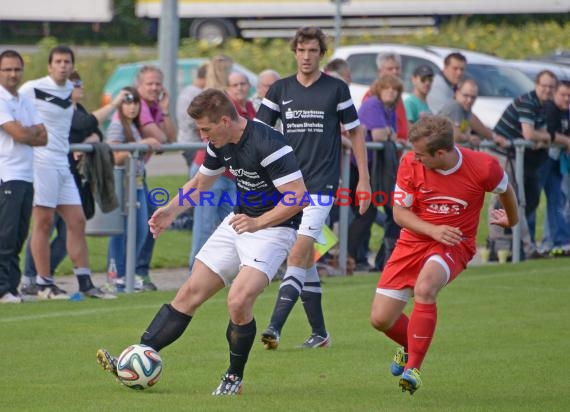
x=225 y=252
x=315 y=217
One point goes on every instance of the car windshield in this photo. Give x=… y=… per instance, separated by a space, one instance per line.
x=498 y=81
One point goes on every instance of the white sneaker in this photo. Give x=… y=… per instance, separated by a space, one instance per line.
x=9 y=298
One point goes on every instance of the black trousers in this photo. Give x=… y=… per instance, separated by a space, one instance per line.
x=16 y=199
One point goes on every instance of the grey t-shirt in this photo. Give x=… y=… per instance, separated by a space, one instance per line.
x=440 y=94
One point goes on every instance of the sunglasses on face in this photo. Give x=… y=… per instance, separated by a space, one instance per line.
x=129 y=98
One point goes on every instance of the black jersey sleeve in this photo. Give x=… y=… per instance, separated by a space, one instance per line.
x=347 y=112
x=270 y=111
x=212 y=165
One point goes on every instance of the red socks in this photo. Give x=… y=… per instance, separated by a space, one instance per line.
x=399 y=331
x=421 y=329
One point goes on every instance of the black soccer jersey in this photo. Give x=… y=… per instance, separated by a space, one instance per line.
x=261 y=161
x=311 y=119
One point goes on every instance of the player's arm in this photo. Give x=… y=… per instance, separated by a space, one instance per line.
x=356 y=136
x=508 y=216
x=35 y=135
x=448 y=235
x=188 y=195
x=289 y=206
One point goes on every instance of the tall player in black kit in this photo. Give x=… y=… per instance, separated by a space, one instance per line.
x=313 y=107
x=248 y=247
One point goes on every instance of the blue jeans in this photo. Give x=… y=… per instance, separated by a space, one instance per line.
x=556 y=228
x=57 y=247
x=207 y=218
x=118 y=243
x=144 y=257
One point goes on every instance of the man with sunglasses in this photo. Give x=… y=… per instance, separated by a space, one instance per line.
x=20 y=129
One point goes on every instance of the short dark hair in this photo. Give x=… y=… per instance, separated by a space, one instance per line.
x=202 y=70
x=438 y=131
x=213 y=104
x=545 y=73
x=454 y=56
x=61 y=49
x=337 y=65
x=309 y=33
x=565 y=83
x=11 y=54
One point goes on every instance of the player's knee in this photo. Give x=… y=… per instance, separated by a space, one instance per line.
x=425 y=293
x=380 y=322
x=237 y=307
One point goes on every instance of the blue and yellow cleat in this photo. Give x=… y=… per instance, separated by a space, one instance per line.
x=410 y=380
x=399 y=362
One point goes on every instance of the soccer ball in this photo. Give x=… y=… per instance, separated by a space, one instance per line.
x=139 y=367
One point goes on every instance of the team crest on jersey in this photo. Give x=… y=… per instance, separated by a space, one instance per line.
x=445 y=205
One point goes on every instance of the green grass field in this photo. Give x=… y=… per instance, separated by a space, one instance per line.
x=501 y=345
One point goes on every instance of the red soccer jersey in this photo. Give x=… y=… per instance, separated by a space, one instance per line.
x=452 y=197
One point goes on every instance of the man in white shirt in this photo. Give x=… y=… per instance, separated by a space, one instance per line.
x=20 y=129
x=54 y=186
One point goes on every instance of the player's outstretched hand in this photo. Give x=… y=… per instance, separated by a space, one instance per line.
x=160 y=220
x=499 y=218
x=243 y=223
x=448 y=235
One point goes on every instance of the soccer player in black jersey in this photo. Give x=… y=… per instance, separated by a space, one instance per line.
x=248 y=247
x=313 y=107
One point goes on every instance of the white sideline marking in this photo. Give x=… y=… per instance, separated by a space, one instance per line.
x=66 y=314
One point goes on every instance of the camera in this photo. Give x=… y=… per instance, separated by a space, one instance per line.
x=129 y=98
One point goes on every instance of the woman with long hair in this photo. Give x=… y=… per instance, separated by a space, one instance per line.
x=124 y=128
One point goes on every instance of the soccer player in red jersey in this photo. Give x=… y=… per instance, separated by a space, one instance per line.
x=443 y=189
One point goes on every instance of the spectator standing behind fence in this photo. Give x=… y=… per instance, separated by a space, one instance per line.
x=84 y=129
x=265 y=80
x=321 y=105
x=416 y=103
x=391 y=63
x=445 y=83
x=458 y=112
x=187 y=130
x=557 y=227
x=54 y=186
x=378 y=115
x=21 y=129
x=155 y=122
x=208 y=216
x=124 y=128
x=238 y=90
x=525 y=117
x=443 y=188
x=444 y=88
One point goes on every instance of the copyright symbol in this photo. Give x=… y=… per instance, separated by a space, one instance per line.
x=158 y=196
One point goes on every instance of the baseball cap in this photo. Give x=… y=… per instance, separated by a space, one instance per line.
x=423 y=71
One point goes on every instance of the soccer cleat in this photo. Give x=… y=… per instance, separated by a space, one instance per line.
x=230 y=385
x=270 y=338
x=51 y=292
x=399 y=362
x=410 y=380
x=98 y=293
x=316 y=341
x=107 y=361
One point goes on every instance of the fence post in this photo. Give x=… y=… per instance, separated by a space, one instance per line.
x=343 y=214
x=519 y=176
x=131 y=223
